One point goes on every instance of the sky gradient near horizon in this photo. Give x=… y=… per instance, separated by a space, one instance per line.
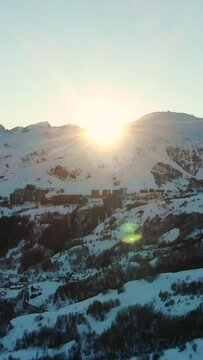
x=75 y=61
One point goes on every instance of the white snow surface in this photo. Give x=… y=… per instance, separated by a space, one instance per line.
x=136 y=292
x=193 y=350
x=29 y=154
x=170 y=236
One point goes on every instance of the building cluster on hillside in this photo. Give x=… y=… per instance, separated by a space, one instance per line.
x=106 y=192
x=35 y=195
x=29 y=194
x=4 y=201
x=147 y=193
x=151 y=193
x=13 y=282
x=32 y=194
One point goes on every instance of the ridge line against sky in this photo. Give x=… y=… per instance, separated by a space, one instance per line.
x=80 y=60
x=152 y=116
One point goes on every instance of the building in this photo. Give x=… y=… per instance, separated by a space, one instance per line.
x=106 y=192
x=151 y=191
x=95 y=193
x=144 y=191
x=4 y=201
x=160 y=191
x=65 y=199
x=16 y=197
x=28 y=194
x=118 y=192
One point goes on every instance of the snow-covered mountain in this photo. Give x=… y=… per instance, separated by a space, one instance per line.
x=95 y=281
x=160 y=149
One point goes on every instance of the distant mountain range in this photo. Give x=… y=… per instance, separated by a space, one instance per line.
x=162 y=149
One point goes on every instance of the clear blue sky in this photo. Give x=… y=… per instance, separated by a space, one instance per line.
x=61 y=58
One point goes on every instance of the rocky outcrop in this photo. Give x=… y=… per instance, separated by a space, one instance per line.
x=164 y=172
x=64 y=174
x=85 y=220
x=156 y=227
x=111 y=203
x=188 y=158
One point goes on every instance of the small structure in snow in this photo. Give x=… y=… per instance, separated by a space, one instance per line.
x=95 y=193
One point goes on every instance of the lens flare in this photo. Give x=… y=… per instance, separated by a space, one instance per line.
x=131 y=231
x=132 y=238
x=129 y=227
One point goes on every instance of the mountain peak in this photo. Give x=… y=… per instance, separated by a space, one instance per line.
x=2 y=128
x=42 y=124
x=163 y=116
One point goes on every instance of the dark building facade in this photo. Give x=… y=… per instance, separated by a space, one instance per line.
x=95 y=193
x=106 y=192
x=64 y=199
x=29 y=194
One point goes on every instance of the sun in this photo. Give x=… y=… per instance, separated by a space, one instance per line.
x=104 y=124
x=104 y=133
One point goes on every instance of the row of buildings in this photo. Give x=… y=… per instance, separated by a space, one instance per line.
x=33 y=194
x=37 y=195
x=119 y=192
x=150 y=193
x=95 y=193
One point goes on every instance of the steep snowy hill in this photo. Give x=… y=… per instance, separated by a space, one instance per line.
x=162 y=149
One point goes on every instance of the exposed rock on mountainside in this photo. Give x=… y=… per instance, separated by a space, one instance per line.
x=186 y=223
x=63 y=173
x=164 y=172
x=189 y=159
x=85 y=220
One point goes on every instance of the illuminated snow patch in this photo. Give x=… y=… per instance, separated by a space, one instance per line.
x=170 y=236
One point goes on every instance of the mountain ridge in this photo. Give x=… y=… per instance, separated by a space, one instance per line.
x=32 y=153
x=164 y=115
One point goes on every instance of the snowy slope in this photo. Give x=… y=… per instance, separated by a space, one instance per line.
x=27 y=155
x=168 y=145
x=136 y=292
